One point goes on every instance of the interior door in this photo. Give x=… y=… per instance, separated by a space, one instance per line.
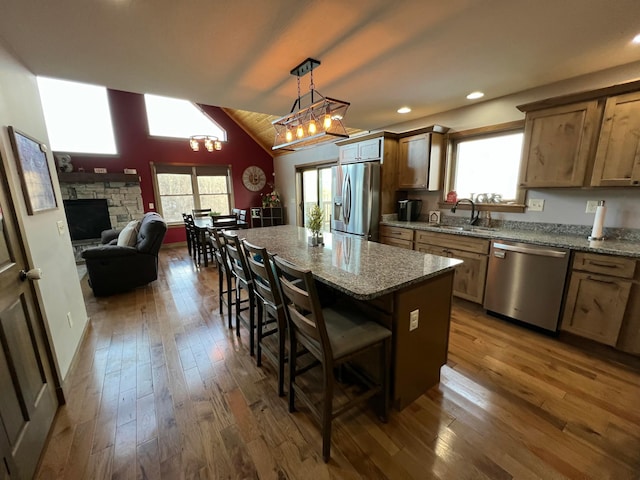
x=27 y=390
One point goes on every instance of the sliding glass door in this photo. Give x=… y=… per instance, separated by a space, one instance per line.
x=315 y=189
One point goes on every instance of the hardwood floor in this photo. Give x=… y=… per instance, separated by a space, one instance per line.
x=163 y=389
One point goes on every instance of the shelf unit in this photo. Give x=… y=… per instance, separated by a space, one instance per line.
x=267 y=216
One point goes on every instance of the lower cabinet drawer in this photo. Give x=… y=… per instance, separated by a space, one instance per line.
x=396 y=232
x=397 y=242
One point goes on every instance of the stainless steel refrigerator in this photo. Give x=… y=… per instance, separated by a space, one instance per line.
x=356 y=199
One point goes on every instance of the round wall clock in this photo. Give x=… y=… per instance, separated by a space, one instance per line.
x=254 y=179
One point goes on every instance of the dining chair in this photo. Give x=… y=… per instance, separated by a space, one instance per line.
x=271 y=317
x=226 y=279
x=243 y=281
x=188 y=222
x=333 y=335
x=201 y=212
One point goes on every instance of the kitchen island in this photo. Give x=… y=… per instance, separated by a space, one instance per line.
x=408 y=291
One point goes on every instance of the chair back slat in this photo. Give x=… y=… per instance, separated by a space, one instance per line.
x=263 y=277
x=201 y=212
x=237 y=259
x=303 y=305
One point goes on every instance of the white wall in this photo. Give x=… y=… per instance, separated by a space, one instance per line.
x=561 y=206
x=59 y=290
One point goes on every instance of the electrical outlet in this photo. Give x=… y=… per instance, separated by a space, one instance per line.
x=592 y=205
x=69 y=319
x=60 y=224
x=413 y=320
x=535 y=204
x=151 y=206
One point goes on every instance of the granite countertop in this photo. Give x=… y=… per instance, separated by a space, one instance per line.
x=628 y=248
x=357 y=267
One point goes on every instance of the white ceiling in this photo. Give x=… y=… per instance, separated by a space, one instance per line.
x=377 y=54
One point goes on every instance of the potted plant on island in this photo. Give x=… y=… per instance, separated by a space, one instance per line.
x=315 y=224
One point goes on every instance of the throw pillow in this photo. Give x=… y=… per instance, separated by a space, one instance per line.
x=129 y=234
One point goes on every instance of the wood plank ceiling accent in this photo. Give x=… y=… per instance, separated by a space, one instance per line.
x=259 y=127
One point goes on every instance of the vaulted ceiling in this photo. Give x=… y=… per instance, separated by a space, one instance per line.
x=377 y=54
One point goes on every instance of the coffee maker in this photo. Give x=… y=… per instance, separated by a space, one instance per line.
x=409 y=210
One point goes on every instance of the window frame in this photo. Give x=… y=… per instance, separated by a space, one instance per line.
x=299 y=169
x=483 y=132
x=194 y=171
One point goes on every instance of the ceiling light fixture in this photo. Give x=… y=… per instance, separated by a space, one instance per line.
x=475 y=95
x=636 y=39
x=404 y=110
x=210 y=142
x=312 y=116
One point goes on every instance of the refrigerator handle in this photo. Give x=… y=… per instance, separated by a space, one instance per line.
x=346 y=209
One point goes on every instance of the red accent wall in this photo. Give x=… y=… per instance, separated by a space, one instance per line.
x=136 y=149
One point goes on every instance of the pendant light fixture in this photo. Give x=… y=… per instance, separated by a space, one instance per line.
x=313 y=118
x=210 y=143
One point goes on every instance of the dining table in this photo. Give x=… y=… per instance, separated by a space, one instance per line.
x=203 y=224
x=408 y=291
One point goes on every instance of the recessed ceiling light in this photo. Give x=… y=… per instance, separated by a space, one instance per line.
x=404 y=110
x=636 y=39
x=475 y=95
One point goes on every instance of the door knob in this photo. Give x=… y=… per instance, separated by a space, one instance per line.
x=33 y=274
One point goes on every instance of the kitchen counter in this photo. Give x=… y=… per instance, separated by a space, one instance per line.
x=577 y=243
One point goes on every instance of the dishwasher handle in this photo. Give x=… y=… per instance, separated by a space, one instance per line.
x=544 y=252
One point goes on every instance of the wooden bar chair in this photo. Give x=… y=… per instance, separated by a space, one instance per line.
x=243 y=281
x=188 y=227
x=333 y=335
x=271 y=317
x=226 y=279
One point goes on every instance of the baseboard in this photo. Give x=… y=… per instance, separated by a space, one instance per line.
x=60 y=390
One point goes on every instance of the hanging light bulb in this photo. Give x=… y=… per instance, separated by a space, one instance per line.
x=195 y=146
x=312 y=127
x=217 y=145
x=289 y=135
x=208 y=144
x=327 y=119
x=300 y=131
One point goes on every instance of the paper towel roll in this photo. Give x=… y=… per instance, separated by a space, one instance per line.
x=598 y=222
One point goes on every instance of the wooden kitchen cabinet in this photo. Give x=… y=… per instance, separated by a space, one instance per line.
x=617 y=161
x=470 y=277
x=396 y=236
x=598 y=295
x=382 y=147
x=559 y=144
x=421 y=161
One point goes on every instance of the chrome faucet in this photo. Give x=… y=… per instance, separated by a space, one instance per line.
x=474 y=215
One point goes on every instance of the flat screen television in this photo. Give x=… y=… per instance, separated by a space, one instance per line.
x=87 y=218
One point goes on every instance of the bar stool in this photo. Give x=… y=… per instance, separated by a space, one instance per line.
x=333 y=335
x=225 y=272
x=271 y=317
x=188 y=228
x=243 y=280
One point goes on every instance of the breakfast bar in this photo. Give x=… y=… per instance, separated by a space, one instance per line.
x=408 y=291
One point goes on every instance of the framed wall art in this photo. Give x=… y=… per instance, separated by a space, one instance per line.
x=33 y=168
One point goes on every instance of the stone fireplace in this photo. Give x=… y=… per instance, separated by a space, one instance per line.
x=122 y=192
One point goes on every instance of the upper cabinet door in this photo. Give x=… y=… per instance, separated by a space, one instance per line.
x=618 y=156
x=421 y=160
x=557 y=145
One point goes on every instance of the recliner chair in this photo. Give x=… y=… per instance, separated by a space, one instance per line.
x=115 y=269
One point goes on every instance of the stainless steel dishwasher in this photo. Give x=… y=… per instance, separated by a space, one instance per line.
x=526 y=282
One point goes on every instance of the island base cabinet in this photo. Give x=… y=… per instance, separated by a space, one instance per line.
x=595 y=306
x=419 y=354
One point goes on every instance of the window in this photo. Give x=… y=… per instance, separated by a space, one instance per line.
x=172 y=117
x=485 y=163
x=181 y=188
x=77 y=116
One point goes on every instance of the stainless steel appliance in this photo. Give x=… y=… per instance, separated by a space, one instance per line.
x=409 y=210
x=356 y=199
x=526 y=282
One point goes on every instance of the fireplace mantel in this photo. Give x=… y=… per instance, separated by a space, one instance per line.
x=87 y=177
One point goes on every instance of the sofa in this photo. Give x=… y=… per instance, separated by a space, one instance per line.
x=127 y=258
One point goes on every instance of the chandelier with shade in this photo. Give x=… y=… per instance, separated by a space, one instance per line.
x=209 y=142
x=313 y=118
